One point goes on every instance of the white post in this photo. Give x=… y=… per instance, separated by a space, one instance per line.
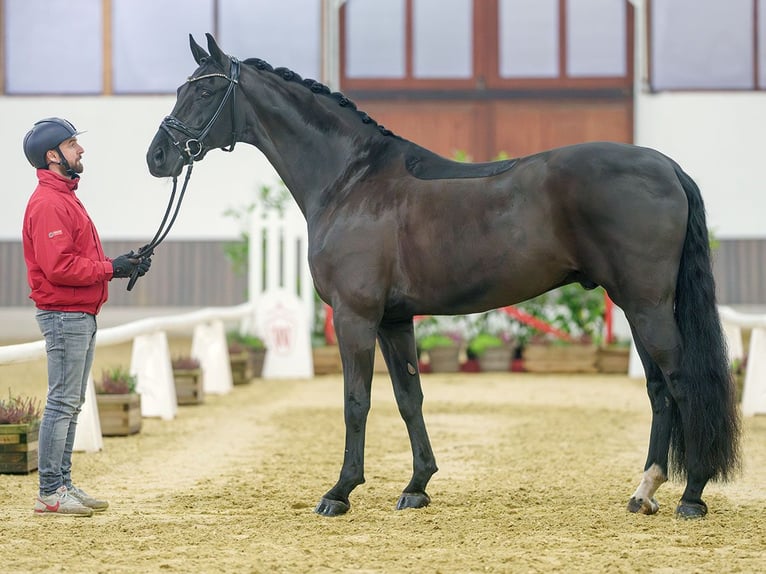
x=88 y=437
x=754 y=391
x=210 y=348
x=281 y=319
x=151 y=363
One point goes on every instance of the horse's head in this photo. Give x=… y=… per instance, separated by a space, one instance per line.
x=204 y=116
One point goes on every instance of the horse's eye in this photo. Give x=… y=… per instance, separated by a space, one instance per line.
x=205 y=94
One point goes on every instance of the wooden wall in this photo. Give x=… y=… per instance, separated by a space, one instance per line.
x=483 y=128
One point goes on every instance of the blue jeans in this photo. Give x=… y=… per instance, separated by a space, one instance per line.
x=70 y=339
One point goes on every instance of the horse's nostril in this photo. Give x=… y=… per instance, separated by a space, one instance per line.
x=159 y=156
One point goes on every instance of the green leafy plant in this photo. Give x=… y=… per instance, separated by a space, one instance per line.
x=493 y=328
x=483 y=341
x=571 y=309
x=239 y=342
x=18 y=410
x=439 y=331
x=116 y=381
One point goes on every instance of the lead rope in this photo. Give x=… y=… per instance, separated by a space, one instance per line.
x=162 y=232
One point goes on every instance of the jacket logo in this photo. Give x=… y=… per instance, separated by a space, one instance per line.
x=55 y=233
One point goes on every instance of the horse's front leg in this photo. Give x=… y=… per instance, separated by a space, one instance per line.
x=356 y=339
x=397 y=342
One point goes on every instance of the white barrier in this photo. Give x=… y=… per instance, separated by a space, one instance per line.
x=733 y=322
x=151 y=362
x=754 y=390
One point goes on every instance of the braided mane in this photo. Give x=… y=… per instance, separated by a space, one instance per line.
x=316 y=87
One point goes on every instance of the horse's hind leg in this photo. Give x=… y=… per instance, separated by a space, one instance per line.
x=397 y=343
x=658 y=332
x=656 y=467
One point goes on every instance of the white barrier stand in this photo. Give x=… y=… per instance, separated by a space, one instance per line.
x=282 y=322
x=210 y=349
x=150 y=362
x=733 y=335
x=635 y=367
x=88 y=437
x=754 y=391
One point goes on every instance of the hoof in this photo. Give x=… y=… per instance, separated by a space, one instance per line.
x=643 y=506
x=688 y=510
x=329 y=507
x=413 y=500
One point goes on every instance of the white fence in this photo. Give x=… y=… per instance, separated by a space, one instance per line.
x=151 y=362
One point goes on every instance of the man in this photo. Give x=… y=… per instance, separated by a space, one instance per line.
x=68 y=275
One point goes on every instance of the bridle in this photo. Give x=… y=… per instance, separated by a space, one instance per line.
x=193 y=146
x=190 y=150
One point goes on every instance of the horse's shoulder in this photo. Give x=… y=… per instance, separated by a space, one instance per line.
x=424 y=164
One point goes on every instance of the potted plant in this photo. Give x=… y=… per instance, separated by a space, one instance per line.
x=187 y=376
x=438 y=343
x=119 y=405
x=246 y=354
x=19 y=428
x=492 y=342
x=572 y=321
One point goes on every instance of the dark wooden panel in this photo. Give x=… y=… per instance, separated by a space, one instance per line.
x=517 y=127
x=442 y=126
x=183 y=274
x=522 y=127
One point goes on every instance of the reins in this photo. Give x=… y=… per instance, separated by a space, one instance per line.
x=190 y=150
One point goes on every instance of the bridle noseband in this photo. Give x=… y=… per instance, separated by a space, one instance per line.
x=191 y=150
x=193 y=146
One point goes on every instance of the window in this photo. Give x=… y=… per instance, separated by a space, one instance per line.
x=715 y=44
x=150 y=50
x=141 y=46
x=477 y=44
x=48 y=51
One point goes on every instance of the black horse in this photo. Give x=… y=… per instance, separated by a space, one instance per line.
x=397 y=231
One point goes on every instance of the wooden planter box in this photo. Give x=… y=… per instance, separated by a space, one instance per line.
x=560 y=358
x=18 y=448
x=444 y=359
x=613 y=359
x=496 y=359
x=188 y=386
x=255 y=358
x=327 y=360
x=120 y=415
x=239 y=368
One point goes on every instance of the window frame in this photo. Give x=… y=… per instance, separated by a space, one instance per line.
x=486 y=58
x=650 y=86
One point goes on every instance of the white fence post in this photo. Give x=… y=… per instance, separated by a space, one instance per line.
x=88 y=437
x=278 y=258
x=210 y=348
x=150 y=362
x=754 y=390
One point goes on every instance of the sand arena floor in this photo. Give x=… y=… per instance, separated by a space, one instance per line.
x=535 y=473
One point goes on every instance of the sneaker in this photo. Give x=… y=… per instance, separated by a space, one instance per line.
x=86 y=500
x=60 y=502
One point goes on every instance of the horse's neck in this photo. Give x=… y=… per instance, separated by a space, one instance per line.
x=301 y=134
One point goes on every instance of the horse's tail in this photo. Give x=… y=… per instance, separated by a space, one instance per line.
x=714 y=427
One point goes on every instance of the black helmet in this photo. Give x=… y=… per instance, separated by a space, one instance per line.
x=44 y=135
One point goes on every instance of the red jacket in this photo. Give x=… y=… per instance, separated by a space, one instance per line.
x=66 y=266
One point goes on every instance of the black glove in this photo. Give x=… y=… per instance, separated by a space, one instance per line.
x=124 y=265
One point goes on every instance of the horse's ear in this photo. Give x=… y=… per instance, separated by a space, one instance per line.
x=197 y=51
x=216 y=52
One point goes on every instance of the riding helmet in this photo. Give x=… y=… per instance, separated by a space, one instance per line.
x=44 y=135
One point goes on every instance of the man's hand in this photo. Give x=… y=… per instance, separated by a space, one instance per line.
x=124 y=265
